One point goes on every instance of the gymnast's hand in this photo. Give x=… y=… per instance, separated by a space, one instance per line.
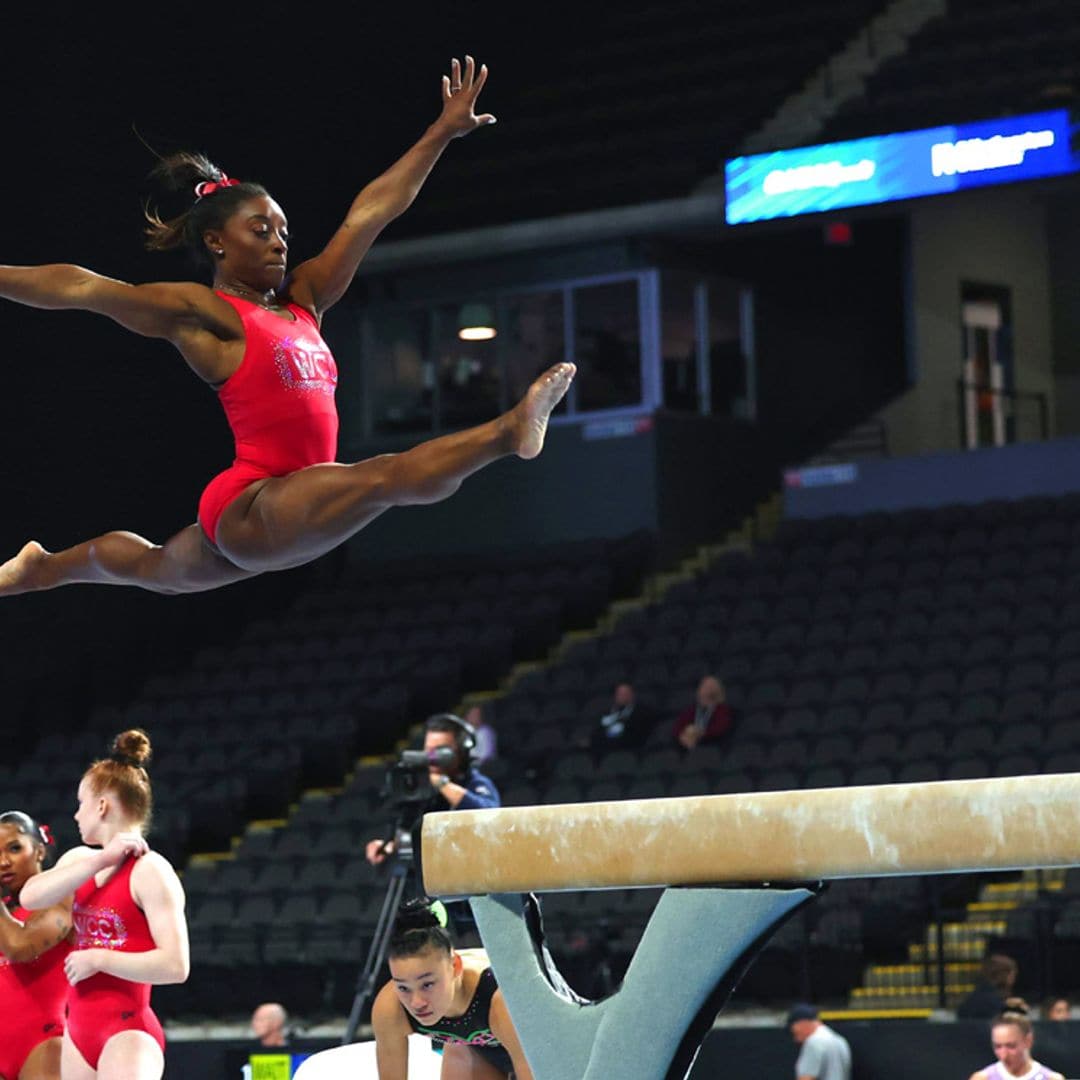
x=121 y=846
x=459 y=94
x=82 y=963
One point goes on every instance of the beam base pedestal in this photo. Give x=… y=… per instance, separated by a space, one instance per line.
x=694 y=950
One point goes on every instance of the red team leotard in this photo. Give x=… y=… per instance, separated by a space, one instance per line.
x=279 y=404
x=32 y=999
x=102 y=1005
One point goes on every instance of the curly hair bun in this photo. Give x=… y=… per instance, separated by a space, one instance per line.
x=133 y=747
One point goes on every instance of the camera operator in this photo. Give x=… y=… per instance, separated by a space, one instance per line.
x=454 y=782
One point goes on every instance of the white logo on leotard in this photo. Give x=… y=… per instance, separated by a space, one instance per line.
x=98 y=928
x=305 y=369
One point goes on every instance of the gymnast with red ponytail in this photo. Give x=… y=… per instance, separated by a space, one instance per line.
x=130 y=933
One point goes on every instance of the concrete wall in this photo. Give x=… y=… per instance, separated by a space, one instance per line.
x=933 y=480
x=683 y=477
x=992 y=237
x=1063 y=221
x=884 y=1050
x=881 y=1050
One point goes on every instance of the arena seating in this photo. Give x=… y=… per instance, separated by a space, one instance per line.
x=243 y=730
x=291 y=704
x=986 y=58
x=903 y=647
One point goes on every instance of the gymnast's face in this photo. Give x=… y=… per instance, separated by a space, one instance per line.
x=426 y=983
x=255 y=242
x=89 y=813
x=20 y=859
x=1011 y=1047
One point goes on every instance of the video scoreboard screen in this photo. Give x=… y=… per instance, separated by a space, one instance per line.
x=904 y=165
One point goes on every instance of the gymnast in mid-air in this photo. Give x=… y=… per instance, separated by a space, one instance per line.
x=254 y=337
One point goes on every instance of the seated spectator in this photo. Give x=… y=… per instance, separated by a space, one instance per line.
x=1056 y=1008
x=625 y=723
x=995 y=984
x=709 y=719
x=487 y=739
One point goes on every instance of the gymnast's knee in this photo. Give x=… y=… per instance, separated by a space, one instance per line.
x=120 y=556
x=124 y=558
x=405 y=480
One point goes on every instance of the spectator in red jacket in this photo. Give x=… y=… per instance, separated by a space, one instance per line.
x=709 y=719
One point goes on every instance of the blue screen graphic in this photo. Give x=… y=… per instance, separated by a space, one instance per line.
x=906 y=165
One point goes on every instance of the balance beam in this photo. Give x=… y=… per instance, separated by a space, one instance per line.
x=950 y=826
x=735 y=867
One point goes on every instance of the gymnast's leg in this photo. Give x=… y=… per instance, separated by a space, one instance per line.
x=73 y=1065
x=43 y=1062
x=290 y=520
x=460 y=1063
x=131 y=1055
x=183 y=564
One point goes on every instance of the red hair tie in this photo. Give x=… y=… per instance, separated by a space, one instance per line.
x=46 y=834
x=208 y=187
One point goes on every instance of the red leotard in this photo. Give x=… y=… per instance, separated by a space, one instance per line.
x=32 y=999
x=102 y=1005
x=279 y=403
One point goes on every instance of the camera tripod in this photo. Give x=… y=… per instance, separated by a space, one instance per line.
x=401 y=862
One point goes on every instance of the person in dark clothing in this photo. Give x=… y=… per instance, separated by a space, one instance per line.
x=456 y=786
x=996 y=980
x=624 y=725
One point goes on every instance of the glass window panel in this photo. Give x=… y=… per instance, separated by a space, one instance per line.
x=533 y=339
x=678 y=341
x=607 y=345
x=399 y=374
x=468 y=374
x=727 y=365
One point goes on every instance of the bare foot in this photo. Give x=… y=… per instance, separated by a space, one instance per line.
x=536 y=406
x=15 y=574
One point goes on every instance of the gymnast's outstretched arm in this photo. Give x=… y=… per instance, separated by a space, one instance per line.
x=190 y=315
x=320 y=282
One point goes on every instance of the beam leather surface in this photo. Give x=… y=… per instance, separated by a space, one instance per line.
x=1009 y=823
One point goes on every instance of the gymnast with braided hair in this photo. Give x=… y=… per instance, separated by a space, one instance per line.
x=254 y=337
x=448 y=994
x=33 y=948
